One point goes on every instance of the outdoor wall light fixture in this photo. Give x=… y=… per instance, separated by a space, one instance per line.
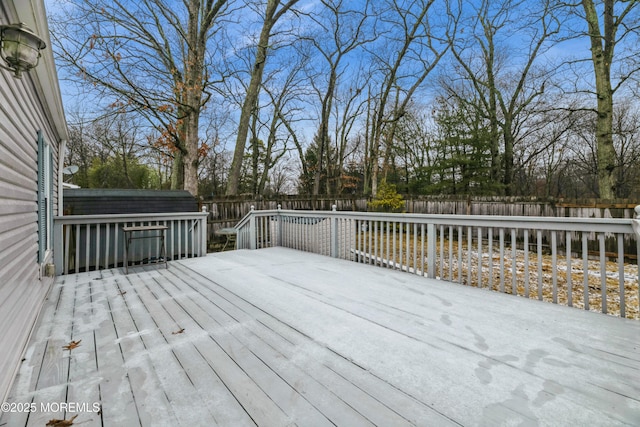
x=19 y=48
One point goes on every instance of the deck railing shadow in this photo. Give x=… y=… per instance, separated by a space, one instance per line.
x=590 y=263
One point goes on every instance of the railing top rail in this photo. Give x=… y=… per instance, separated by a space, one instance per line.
x=89 y=219
x=245 y=219
x=611 y=225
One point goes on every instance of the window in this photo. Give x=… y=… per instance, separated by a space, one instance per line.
x=45 y=198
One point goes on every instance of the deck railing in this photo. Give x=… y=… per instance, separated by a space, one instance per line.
x=591 y=263
x=95 y=242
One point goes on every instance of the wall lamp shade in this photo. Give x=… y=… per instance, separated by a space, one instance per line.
x=19 y=48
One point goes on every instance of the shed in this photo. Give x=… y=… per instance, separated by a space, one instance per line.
x=89 y=201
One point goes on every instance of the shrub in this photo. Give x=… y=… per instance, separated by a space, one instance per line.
x=387 y=199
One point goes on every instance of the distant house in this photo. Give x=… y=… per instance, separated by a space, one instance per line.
x=32 y=139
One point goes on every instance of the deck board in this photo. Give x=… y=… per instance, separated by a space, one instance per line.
x=284 y=376
x=83 y=364
x=276 y=337
x=114 y=378
x=317 y=361
x=54 y=370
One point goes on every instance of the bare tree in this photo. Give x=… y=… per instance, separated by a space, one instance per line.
x=342 y=28
x=626 y=142
x=415 y=41
x=149 y=56
x=502 y=85
x=348 y=108
x=282 y=99
x=274 y=10
x=611 y=23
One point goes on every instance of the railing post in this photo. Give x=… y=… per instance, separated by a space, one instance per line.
x=431 y=250
x=279 y=226
x=203 y=232
x=58 y=247
x=252 y=229
x=636 y=224
x=334 y=233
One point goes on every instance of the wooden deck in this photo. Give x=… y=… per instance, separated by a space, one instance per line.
x=276 y=337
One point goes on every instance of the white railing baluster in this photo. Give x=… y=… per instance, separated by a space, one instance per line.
x=305 y=243
x=295 y=231
x=359 y=244
x=388 y=256
x=514 y=264
x=375 y=244
x=116 y=228
x=554 y=266
x=480 y=261
x=502 y=260
x=400 y=241
x=638 y=260
x=469 y=249
x=490 y=252
x=431 y=250
x=451 y=253
x=87 y=248
x=97 y=264
x=192 y=237
x=174 y=230
x=382 y=259
x=526 y=263
x=459 y=254
x=407 y=245
x=107 y=239
x=569 y=268
x=181 y=241
x=394 y=244
x=540 y=276
x=620 y=238
x=603 y=272
x=67 y=249
x=585 y=270
x=422 y=249
x=442 y=251
x=364 y=234
x=415 y=248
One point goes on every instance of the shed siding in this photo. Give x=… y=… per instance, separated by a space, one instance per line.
x=22 y=291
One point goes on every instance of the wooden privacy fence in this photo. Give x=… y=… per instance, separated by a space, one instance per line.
x=95 y=242
x=503 y=253
x=230 y=209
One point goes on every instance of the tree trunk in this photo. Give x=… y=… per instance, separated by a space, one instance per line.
x=250 y=102
x=323 y=133
x=190 y=158
x=177 y=172
x=602 y=57
x=508 y=157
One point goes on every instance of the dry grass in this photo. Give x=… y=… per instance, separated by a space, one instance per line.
x=411 y=255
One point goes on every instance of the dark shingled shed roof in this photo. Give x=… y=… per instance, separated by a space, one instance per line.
x=88 y=201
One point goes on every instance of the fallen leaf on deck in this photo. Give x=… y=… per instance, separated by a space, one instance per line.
x=72 y=345
x=178 y=332
x=61 y=423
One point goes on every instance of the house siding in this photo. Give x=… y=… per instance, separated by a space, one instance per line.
x=23 y=112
